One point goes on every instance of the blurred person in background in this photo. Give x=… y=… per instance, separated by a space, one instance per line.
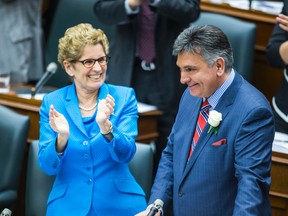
x=141 y=52
x=21 y=44
x=277 y=55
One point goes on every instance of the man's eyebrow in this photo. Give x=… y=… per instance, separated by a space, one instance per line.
x=190 y=67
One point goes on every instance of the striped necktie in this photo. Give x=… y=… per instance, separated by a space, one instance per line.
x=202 y=120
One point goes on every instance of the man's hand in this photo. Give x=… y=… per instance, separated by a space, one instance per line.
x=134 y=3
x=146 y=212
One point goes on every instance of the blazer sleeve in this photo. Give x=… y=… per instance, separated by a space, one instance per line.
x=49 y=160
x=122 y=147
x=253 y=152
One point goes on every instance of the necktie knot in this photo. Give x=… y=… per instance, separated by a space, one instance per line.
x=205 y=109
x=205 y=106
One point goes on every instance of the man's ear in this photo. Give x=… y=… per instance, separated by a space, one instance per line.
x=220 y=66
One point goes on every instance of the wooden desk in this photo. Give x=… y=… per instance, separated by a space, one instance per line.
x=265 y=77
x=279 y=186
x=147 y=123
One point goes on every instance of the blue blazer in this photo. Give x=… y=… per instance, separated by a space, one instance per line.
x=92 y=171
x=229 y=172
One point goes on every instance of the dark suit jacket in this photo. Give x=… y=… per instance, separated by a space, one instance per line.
x=280 y=103
x=169 y=23
x=229 y=172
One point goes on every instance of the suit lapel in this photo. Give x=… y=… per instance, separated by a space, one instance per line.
x=190 y=114
x=203 y=140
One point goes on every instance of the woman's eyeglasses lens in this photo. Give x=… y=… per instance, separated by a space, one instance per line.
x=102 y=61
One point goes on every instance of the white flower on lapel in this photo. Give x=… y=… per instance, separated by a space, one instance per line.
x=214 y=120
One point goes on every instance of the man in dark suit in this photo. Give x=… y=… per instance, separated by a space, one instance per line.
x=156 y=82
x=227 y=171
x=277 y=54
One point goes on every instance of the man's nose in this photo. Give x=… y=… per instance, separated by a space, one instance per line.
x=184 y=79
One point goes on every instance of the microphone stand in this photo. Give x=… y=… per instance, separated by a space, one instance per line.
x=250 y=4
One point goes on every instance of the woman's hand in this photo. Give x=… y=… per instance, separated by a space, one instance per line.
x=105 y=110
x=58 y=122
x=60 y=125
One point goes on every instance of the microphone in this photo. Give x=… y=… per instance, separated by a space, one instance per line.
x=50 y=70
x=6 y=212
x=157 y=205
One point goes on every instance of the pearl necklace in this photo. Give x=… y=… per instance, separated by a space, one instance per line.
x=88 y=109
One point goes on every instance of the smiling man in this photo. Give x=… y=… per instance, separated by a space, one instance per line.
x=223 y=170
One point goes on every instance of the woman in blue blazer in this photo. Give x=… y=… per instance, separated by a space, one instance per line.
x=87 y=133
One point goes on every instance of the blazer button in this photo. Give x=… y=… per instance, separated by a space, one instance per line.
x=86 y=156
x=85 y=143
x=180 y=193
x=90 y=181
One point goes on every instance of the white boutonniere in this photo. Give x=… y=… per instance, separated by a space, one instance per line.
x=214 y=120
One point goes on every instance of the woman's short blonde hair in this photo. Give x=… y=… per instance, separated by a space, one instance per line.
x=72 y=44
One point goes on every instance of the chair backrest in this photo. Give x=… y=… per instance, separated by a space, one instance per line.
x=38 y=184
x=67 y=14
x=242 y=36
x=141 y=166
x=14 y=129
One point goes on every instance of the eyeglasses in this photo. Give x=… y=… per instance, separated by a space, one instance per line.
x=89 y=63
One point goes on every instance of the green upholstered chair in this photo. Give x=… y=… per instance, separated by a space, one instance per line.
x=14 y=129
x=241 y=35
x=38 y=184
x=141 y=166
x=67 y=14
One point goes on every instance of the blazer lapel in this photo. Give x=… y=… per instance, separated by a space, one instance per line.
x=73 y=110
x=203 y=140
x=187 y=131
